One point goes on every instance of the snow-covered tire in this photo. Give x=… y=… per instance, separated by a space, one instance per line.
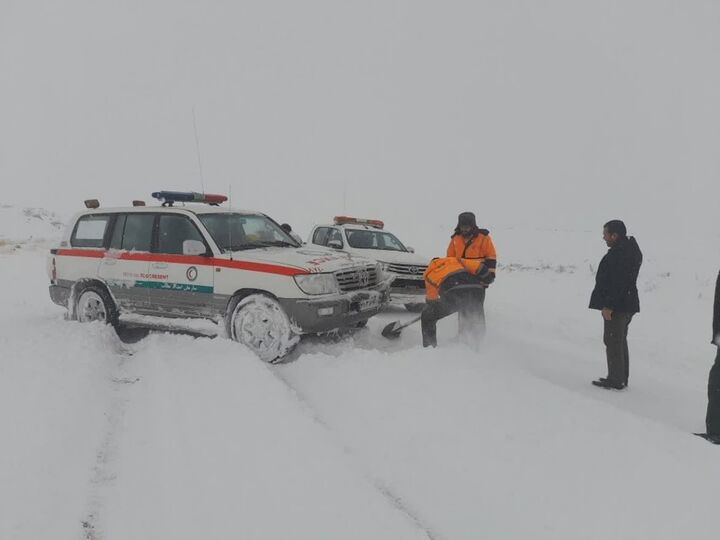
x=260 y=323
x=414 y=308
x=94 y=303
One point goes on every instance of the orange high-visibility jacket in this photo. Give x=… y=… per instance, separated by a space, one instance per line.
x=476 y=257
x=480 y=246
x=442 y=268
x=479 y=250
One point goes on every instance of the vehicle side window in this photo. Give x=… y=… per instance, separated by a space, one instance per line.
x=137 y=235
x=335 y=236
x=90 y=231
x=320 y=236
x=118 y=229
x=173 y=231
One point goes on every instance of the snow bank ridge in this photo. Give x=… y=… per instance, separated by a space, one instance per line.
x=28 y=226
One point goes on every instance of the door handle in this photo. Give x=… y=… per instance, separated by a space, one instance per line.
x=159 y=265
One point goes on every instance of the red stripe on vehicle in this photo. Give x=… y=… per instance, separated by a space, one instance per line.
x=260 y=267
x=186 y=259
x=94 y=253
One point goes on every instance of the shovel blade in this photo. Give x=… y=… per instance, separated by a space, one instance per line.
x=392 y=330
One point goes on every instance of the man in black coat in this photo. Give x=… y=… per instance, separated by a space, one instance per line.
x=616 y=296
x=712 y=420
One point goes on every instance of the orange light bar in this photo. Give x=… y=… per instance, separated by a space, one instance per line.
x=92 y=203
x=341 y=220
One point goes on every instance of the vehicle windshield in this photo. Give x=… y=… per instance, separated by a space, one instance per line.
x=235 y=232
x=363 y=239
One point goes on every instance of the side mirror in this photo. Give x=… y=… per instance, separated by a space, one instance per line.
x=335 y=244
x=410 y=249
x=194 y=247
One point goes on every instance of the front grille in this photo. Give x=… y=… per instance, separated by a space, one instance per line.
x=357 y=278
x=406 y=269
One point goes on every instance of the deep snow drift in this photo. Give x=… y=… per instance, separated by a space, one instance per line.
x=359 y=437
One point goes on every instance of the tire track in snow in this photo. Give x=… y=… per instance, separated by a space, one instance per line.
x=554 y=364
x=103 y=474
x=385 y=490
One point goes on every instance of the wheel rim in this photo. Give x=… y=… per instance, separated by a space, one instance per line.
x=262 y=327
x=91 y=307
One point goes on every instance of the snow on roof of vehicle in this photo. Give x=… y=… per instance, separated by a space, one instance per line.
x=191 y=201
x=193 y=208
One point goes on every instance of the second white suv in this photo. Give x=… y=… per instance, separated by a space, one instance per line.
x=367 y=237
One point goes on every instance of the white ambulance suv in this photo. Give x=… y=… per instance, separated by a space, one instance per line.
x=200 y=261
x=367 y=237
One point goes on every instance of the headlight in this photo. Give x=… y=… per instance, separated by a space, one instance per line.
x=317 y=283
x=383 y=270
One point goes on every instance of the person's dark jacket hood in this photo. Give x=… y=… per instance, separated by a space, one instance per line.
x=716 y=314
x=616 y=279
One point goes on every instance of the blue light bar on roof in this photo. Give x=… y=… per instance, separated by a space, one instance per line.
x=188 y=196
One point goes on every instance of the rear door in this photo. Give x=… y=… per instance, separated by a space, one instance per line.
x=88 y=243
x=180 y=285
x=125 y=266
x=323 y=236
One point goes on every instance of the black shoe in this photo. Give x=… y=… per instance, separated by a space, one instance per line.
x=604 y=379
x=608 y=385
x=710 y=437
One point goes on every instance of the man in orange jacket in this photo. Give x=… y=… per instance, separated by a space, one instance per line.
x=457 y=283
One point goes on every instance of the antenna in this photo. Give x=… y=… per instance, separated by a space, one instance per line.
x=230 y=219
x=197 y=147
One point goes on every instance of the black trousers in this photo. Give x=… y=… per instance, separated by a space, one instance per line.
x=616 y=347
x=712 y=420
x=468 y=303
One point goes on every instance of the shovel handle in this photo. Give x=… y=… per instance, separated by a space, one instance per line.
x=412 y=321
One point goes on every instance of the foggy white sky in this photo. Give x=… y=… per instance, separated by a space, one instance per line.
x=563 y=113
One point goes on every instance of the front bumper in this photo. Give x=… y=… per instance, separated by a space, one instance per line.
x=59 y=295
x=407 y=291
x=344 y=310
x=402 y=297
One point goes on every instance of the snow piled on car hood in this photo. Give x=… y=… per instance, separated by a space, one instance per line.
x=396 y=257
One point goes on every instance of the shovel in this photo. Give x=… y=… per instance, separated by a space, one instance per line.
x=392 y=330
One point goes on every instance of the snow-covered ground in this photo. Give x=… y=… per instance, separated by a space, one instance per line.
x=545 y=118
x=183 y=438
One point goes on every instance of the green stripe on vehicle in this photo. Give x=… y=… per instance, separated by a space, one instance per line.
x=178 y=287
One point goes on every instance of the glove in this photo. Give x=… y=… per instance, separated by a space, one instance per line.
x=485 y=275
